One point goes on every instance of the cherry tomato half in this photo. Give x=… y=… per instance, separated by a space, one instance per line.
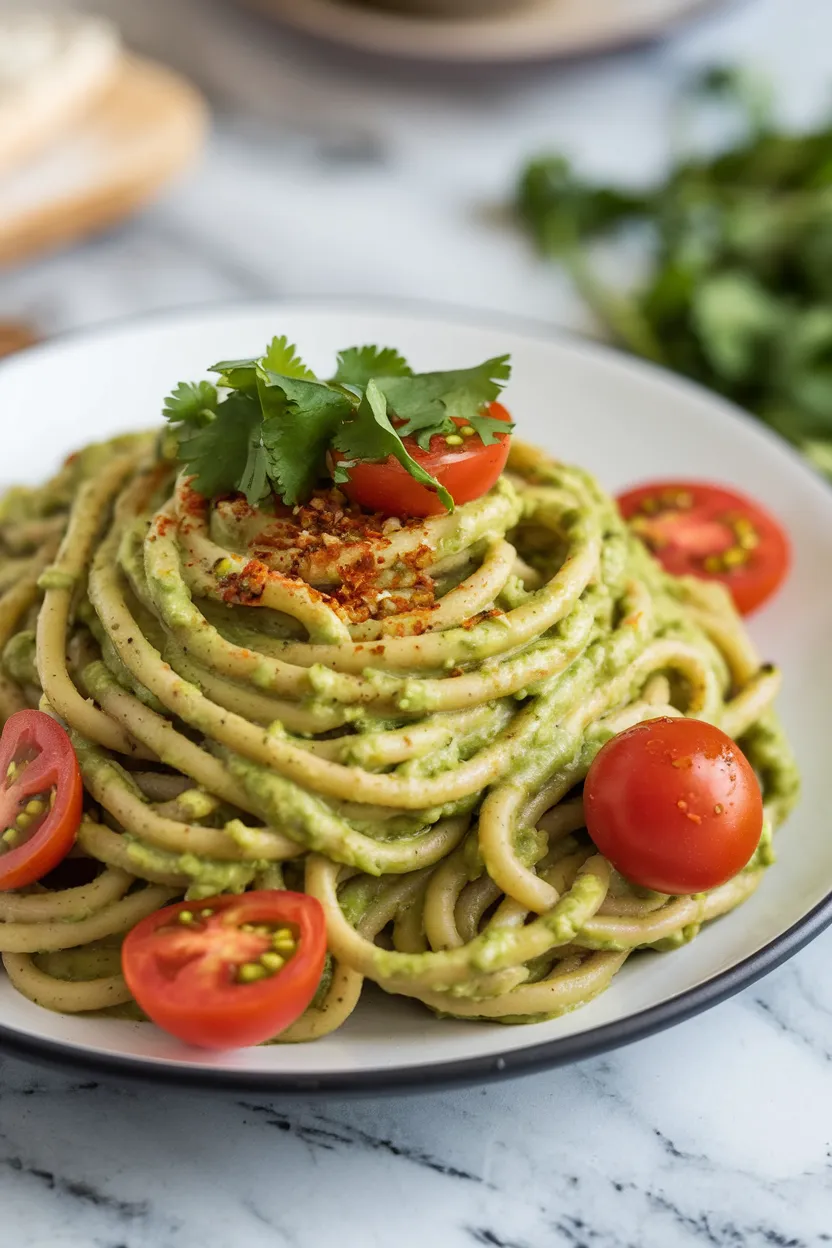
x=674 y=805
x=467 y=472
x=230 y=971
x=41 y=796
x=698 y=529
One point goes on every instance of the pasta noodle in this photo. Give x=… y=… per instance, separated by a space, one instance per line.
x=393 y=716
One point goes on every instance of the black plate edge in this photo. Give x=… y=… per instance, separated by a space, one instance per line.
x=470 y=1071
x=443 y=1075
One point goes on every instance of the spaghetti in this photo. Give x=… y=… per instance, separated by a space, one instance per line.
x=395 y=716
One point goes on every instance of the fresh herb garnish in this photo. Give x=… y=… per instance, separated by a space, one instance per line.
x=302 y=418
x=224 y=453
x=195 y=403
x=357 y=365
x=369 y=435
x=273 y=430
x=739 y=289
x=425 y=403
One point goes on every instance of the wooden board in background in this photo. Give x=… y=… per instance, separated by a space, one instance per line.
x=55 y=93
x=145 y=129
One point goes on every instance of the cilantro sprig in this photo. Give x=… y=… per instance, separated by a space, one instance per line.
x=273 y=428
x=369 y=435
x=737 y=287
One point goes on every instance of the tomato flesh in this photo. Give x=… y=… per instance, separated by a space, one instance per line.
x=202 y=970
x=674 y=805
x=467 y=472
x=41 y=798
x=697 y=529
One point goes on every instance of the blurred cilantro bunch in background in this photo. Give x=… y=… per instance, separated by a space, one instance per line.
x=739 y=290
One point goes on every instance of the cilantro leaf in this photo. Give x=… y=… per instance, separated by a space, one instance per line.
x=356 y=365
x=803 y=372
x=254 y=482
x=562 y=210
x=301 y=418
x=488 y=427
x=192 y=402
x=237 y=374
x=736 y=320
x=369 y=436
x=426 y=402
x=226 y=455
x=282 y=357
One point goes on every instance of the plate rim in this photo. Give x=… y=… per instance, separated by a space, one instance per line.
x=436 y=1076
x=460 y=1072
x=399 y=44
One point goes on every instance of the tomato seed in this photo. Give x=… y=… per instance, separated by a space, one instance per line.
x=250 y=972
x=272 y=961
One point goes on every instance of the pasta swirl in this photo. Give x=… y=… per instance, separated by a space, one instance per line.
x=394 y=716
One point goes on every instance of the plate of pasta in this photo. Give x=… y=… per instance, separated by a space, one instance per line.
x=375 y=681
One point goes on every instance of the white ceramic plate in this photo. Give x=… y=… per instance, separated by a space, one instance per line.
x=624 y=421
x=541 y=30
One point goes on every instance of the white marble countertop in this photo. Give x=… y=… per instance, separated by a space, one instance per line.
x=331 y=176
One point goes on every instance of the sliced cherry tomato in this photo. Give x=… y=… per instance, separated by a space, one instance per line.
x=41 y=796
x=467 y=472
x=674 y=805
x=229 y=971
x=697 y=529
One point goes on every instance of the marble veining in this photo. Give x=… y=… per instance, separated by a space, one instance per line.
x=330 y=175
x=715 y=1133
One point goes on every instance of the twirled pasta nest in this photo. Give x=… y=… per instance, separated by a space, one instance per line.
x=394 y=717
